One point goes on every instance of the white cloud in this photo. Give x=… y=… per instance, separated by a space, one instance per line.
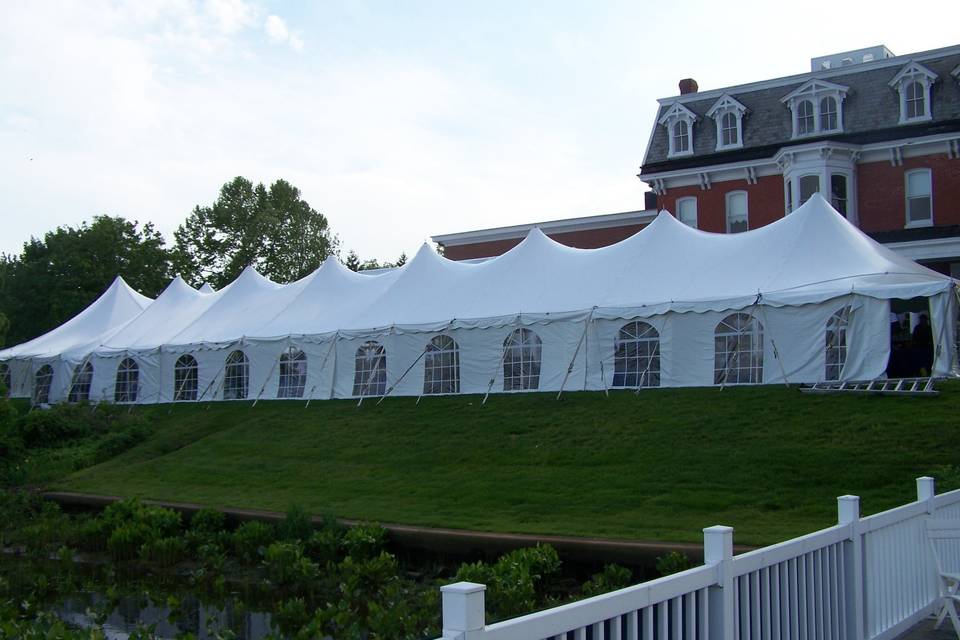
x=277 y=30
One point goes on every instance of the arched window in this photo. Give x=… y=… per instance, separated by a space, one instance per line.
x=805 y=119
x=681 y=137
x=5 y=378
x=636 y=357
x=128 y=381
x=293 y=373
x=729 y=135
x=80 y=385
x=370 y=372
x=185 y=378
x=521 y=361
x=828 y=114
x=41 y=387
x=236 y=376
x=441 y=366
x=837 y=343
x=738 y=350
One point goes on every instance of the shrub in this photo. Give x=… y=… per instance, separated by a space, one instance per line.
x=364 y=541
x=287 y=566
x=324 y=545
x=115 y=443
x=251 y=539
x=164 y=551
x=673 y=562
x=517 y=582
x=296 y=526
x=612 y=577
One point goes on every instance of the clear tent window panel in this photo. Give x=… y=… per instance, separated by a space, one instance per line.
x=80 y=384
x=6 y=380
x=521 y=361
x=441 y=366
x=41 y=384
x=236 y=376
x=293 y=373
x=636 y=360
x=370 y=370
x=836 y=343
x=185 y=378
x=127 y=385
x=738 y=350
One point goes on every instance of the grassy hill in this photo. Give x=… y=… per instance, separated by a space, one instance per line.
x=660 y=465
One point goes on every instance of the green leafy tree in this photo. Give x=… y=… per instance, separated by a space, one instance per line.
x=402 y=260
x=272 y=229
x=55 y=277
x=353 y=261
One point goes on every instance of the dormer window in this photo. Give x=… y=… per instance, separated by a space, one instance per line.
x=817 y=108
x=913 y=83
x=679 y=123
x=728 y=114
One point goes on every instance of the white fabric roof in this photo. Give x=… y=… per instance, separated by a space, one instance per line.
x=811 y=255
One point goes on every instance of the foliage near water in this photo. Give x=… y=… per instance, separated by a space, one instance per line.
x=320 y=581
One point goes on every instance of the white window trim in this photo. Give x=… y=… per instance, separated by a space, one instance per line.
x=914 y=72
x=678 y=113
x=727 y=104
x=815 y=91
x=696 y=216
x=912 y=224
x=726 y=209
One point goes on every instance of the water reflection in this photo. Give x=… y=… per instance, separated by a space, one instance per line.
x=190 y=615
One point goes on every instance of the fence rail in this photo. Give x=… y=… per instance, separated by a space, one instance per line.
x=862 y=579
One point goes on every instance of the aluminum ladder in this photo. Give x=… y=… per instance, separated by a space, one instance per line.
x=881 y=386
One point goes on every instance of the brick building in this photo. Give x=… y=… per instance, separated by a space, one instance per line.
x=877 y=134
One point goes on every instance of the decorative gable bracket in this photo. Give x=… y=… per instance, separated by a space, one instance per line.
x=727 y=113
x=679 y=123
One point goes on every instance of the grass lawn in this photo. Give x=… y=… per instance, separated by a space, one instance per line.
x=660 y=465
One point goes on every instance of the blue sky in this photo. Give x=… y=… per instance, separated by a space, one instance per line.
x=398 y=120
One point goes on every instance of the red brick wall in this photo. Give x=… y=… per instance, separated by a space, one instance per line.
x=590 y=239
x=764 y=202
x=881 y=192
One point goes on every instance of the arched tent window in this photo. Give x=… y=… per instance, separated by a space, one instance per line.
x=185 y=378
x=441 y=366
x=6 y=380
x=41 y=384
x=738 y=350
x=80 y=385
x=236 y=376
x=293 y=373
x=127 y=384
x=521 y=361
x=370 y=377
x=636 y=358
x=836 y=342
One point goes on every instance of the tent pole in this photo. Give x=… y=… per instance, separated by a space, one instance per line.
x=503 y=356
x=373 y=371
x=267 y=379
x=179 y=390
x=422 y=353
x=736 y=349
x=576 y=352
x=336 y=357
x=776 y=352
x=656 y=352
x=323 y=364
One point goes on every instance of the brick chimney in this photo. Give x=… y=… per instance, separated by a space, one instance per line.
x=688 y=85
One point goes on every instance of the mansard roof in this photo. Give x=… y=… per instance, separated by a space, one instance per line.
x=871 y=111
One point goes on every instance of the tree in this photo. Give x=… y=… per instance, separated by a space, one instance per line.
x=402 y=260
x=353 y=261
x=53 y=279
x=271 y=229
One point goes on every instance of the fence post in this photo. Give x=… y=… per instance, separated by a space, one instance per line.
x=848 y=513
x=463 y=610
x=718 y=551
x=926 y=490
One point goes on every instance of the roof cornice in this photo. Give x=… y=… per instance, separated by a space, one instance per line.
x=585 y=223
x=801 y=77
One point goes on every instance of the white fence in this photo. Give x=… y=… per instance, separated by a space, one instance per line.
x=863 y=579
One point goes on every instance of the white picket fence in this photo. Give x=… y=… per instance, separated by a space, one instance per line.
x=863 y=579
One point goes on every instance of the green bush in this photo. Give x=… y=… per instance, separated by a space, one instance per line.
x=251 y=539
x=673 y=562
x=518 y=582
x=324 y=545
x=612 y=577
x=287 y=566
x=364 y=541
x=164 y=551
x=296 y=525
x=115 y=443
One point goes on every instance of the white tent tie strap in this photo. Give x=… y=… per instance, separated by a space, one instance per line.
x=503 y=357
x=266 y=380
x=773 y=343
x=576 y=352
x=736 y=349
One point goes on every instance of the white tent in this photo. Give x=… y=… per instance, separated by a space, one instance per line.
x=804 y=299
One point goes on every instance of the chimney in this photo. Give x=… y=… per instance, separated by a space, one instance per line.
x=688 y=85
x=649 y=200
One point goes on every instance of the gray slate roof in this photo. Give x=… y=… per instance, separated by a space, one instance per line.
x=871 y=105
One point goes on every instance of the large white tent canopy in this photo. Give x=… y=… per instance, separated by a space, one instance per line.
x=669 y=306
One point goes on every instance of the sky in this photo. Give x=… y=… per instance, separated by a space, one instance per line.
x=397 y=120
